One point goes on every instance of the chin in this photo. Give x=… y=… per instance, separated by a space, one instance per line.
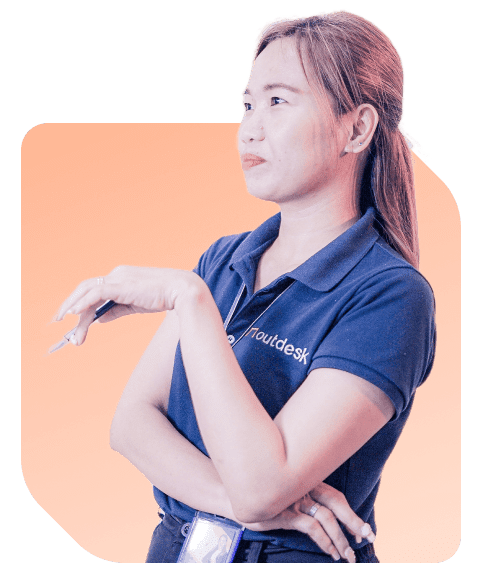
x=265 y=193
x=264 y=188
x=274 y=192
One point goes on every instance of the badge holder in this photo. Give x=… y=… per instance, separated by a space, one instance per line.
x=211 y=539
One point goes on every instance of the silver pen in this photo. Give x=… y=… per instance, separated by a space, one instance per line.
x=99 y=313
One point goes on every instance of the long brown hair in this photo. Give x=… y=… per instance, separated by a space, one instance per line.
x=347 y=57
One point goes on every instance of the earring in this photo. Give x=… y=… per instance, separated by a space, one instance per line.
x=360 y=144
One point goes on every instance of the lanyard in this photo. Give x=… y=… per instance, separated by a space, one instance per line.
x=236 y=303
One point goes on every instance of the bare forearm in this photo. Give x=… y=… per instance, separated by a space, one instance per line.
x=143 y=435
x=267 y=464
x=242 y=439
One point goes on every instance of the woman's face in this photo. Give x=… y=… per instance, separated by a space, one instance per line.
x=286 y=141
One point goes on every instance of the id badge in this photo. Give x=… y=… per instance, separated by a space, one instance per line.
x=211 y=539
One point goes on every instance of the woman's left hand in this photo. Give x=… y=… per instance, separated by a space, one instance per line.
x=134 y=289
x=323 y=527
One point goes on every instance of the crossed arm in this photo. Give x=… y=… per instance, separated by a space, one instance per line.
x=264 y=464
x=141 y=432
x=259 y=467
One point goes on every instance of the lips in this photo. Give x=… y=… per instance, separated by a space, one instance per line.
x=250 y=160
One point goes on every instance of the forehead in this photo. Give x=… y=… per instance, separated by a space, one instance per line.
x=278 y=63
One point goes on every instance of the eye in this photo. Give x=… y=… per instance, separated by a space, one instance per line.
x=275 y=101
x=248 y=106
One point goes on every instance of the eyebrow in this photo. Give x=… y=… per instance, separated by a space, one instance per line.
x=275 y=85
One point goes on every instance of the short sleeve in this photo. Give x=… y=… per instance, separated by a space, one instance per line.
x=205 y=260
x=386 y=335
x=218 y=254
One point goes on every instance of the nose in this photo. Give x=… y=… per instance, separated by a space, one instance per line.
x=251 y=130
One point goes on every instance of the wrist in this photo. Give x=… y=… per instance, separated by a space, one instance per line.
x=192 y=293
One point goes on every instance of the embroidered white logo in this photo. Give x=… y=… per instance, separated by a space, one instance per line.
x=300 y=354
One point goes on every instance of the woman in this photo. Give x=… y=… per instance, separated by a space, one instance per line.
x=304 y=341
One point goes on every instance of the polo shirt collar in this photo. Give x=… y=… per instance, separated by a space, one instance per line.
x=328 y=266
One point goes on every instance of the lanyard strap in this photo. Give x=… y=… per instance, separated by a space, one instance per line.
x=235 y=304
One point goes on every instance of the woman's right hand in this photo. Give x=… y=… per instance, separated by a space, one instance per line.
x=323 y=528
x=134 y=289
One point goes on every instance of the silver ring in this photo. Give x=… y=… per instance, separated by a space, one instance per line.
x=314 y=508
x=99 y=281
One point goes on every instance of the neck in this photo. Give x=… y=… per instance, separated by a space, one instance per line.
x=307 y=228
x=311 y=222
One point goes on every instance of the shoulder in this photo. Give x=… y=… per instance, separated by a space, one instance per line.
x=219 y=253
x=384 y=330
x=389 y=304
x=233 y=248
x=383 y=274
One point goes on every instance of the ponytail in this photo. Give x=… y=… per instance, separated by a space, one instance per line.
x=388 y=186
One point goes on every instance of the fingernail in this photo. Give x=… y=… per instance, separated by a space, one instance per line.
x=368 y=533
x=358 y=539
x=335 y=556
x=350 y=555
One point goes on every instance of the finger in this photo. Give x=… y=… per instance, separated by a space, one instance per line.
x=88 y=316
x=77 y=294
x=367 y=533
x=337 y=503
x=358 y=538
x=94 y=296
x=332 y=528
x=85 y=321
x=314 y=530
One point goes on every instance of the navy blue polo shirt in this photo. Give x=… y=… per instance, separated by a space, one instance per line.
x=356 y=305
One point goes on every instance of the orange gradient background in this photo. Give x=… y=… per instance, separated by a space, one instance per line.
x=97 y=196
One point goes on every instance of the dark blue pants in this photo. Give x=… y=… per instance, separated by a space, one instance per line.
x=168 y=538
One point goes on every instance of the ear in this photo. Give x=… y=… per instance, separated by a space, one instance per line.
x=364 y=123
